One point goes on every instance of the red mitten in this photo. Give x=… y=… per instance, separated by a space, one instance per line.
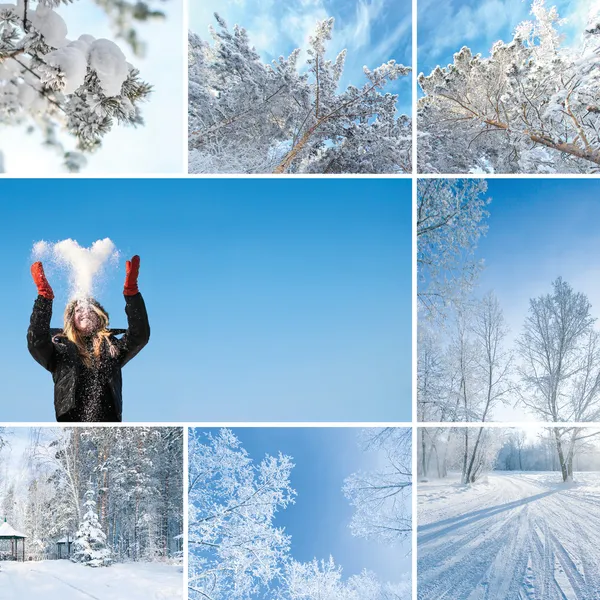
x=39 y=278
x=132 y=271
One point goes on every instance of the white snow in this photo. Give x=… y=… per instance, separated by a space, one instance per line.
x=83 y=264
x=72 y=60
x=515 y=536
x=50 y=24
x=64 y=580
x=110 y=64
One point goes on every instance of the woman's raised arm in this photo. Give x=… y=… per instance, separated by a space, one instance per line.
x=39 y=340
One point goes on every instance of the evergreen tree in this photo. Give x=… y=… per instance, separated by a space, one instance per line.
x=90 y=546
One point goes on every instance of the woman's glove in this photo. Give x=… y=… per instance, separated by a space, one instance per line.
x=39 y=278
x=132 y=271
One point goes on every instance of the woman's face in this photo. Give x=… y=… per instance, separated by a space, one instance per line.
x=85 y=318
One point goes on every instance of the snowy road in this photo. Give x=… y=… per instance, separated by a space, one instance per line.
x=63 y=580
x=515 y=537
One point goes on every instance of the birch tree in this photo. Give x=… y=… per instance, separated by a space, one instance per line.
x=560 y=363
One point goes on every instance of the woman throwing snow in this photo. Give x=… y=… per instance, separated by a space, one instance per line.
x=86 y=358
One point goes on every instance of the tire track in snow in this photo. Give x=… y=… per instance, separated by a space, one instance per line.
x=501 y=548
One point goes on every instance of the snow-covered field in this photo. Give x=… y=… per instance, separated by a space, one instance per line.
x=64 y=580
x=517 y=536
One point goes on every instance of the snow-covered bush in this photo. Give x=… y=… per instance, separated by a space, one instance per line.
x=47 y=81
x=532 y=106
x=248 y=117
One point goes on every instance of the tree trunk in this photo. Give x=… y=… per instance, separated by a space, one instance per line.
x=561 y=456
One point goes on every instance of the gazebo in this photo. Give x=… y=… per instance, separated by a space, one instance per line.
x=9 y=543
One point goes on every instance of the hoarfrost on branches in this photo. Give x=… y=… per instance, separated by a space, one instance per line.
x=451 y=216
x=532 y=106
x=245 y=116
x=237 y=552
x=380 y=497
x=48 y=82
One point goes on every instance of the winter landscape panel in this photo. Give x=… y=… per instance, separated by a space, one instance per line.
x=508 y=86
x=508 y=300
x=300 y=514
x=508 y=514
x=87 y=86
x=300 y=87
x=91 y=513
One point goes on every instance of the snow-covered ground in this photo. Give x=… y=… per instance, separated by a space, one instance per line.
x=517 y=536
x=64 y=580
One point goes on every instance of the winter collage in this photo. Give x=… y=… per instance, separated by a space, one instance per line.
x=300 y=300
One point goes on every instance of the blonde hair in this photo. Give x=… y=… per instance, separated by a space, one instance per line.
x=100 y=337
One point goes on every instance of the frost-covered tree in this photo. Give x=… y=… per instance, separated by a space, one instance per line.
x=532 y=106
x=381 y=497
x=235 y=549
x=560 y=352
x=89 y=547
x=248 y=117
x=323 y=580
x=451 y=216
x=82 y=86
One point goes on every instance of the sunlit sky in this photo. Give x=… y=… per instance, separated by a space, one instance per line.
x=155 y=148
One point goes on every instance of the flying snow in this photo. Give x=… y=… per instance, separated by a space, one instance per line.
x=83 y=265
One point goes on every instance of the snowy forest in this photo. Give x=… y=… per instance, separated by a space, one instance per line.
x=521 y=531
x=103 y=497
x=238 y=552
x=288 y=117
x=531 y=106
x=470 y=363
x=79 y=86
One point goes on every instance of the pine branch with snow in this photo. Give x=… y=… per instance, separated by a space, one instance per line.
x=83 y=86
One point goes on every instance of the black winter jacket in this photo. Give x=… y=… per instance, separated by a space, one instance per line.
x=71 y=377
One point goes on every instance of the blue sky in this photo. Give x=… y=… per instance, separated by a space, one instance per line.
x=155 y=148
x=268 y=300
x=318 y=521
x=373 y=31
x=444 y=27
x=540 y=229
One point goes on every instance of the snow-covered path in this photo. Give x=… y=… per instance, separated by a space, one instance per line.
x=515 y=537
x=63 y=580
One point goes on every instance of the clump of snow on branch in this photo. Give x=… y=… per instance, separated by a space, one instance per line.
x=245 y=116
x=83 y=86
x=532 y=106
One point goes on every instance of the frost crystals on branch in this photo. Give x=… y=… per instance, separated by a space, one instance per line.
x=248 y=117
x=532 y=106
x=51 y=83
